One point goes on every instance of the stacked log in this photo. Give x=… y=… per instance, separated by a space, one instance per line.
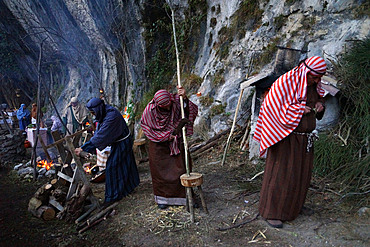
x=48 y=199
x=38 y=204
x=51 y=198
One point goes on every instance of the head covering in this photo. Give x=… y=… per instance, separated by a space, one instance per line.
x=162 y=98
x=79 y=111
x=22 y=112
x=283 y=107
x=98 y=107
x=57 y=124
x=158 y=125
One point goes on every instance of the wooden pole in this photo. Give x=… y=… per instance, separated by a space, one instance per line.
x=5 y=122
x=54 y=106
x=181 y=98
x=232 y=127
x=236 y=114
x=188 y=189
x=33 y=159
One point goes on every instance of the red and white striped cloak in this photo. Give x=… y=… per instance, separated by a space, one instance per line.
x=283 y=107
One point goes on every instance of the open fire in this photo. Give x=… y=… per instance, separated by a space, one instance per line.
x=45 y=164
x=87 y=168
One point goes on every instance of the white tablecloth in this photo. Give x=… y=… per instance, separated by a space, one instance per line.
x=31 y=136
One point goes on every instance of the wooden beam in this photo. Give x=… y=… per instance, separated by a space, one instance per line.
x=69 y=136
x=61 y=150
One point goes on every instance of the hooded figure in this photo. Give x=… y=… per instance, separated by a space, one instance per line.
x=284 y=129
x=76 y=115
x=57 y=125
x=121 y=173
x=24 y=117
x=162 y=124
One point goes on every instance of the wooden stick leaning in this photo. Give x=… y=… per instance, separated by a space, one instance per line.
x=236 y=114
x=188 y=189
x=232 y=127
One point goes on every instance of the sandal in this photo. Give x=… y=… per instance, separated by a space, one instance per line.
x=275 y=223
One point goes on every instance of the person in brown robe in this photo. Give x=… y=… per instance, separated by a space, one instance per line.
x=34 y=115
x=162 y=124
x=289 y=161
x=288 y=169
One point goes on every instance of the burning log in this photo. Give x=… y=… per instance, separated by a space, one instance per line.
x=45 y=164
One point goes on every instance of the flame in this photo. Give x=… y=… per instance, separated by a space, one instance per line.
x=45 y=164
x=87 y=168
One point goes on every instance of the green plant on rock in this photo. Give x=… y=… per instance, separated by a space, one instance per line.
x=8 y=64
x=248 y=16
x=206 y=100
x=279 y=21
x=217 y=109
x=191 y=82
x=362 y=10
x=290 y=2
x=308 y=23
x=268 y=52
x=344 y=152
x=218 y=78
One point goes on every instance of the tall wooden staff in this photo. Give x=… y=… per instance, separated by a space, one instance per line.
x=181 y=98
x=189 y=195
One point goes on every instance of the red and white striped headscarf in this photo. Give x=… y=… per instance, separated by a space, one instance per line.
x=283 y=107
x=158 y=124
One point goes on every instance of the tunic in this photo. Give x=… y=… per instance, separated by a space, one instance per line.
x=288 y=170
x=121 y=174
x=166 y=170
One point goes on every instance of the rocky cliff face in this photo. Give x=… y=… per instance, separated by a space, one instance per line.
x=86 y=45
x=112 y=44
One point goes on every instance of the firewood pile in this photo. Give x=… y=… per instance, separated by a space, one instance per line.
x=69 y=196
x=65 y=197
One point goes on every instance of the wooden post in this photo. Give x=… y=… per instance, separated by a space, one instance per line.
x=79 y=169
x=236 y=113
x=232 y=127
x=5 y=122
x=56 y=136
x=188 y=190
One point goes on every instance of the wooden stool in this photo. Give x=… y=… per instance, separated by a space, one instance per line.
x=189 y=181
x=140 y=144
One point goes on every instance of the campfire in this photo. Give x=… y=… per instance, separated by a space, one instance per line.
x=45 y=164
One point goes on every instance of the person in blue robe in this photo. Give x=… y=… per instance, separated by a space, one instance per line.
x=24 y=117
x=121 y=172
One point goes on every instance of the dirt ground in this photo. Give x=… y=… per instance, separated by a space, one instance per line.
x=231 y=199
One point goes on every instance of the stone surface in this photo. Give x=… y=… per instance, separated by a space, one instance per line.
x=80 y=36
